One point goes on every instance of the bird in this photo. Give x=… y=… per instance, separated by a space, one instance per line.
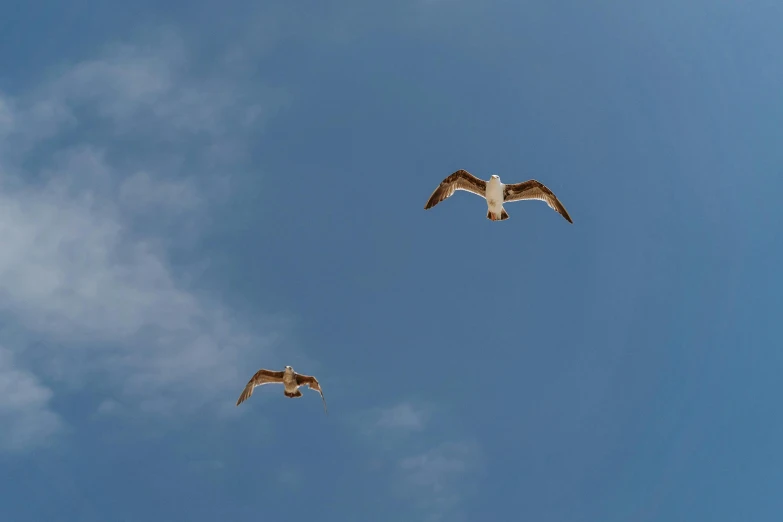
x=496 y=193
x=290 y=380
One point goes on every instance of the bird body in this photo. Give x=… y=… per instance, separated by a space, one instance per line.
x=494 y=197
x=289 y=381
x=496 y=193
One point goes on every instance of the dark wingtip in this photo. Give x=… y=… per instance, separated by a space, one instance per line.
x=243 y=396
x=435 y=197
x=563 y=212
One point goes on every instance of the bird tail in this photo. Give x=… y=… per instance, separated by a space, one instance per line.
x=497 y=217
x=295 y=394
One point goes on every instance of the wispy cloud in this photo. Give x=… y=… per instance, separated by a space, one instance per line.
x=83 y=157
x=435 y=479
x=404 y=416
x=432 y=476
x=24 y=408
x=388 y=427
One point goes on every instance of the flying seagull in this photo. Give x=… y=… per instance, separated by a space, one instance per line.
x=496 y=193
x=290 y=380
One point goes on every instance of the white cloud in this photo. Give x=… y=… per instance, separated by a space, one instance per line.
x=69 y=268
x=404 y=416
x=388 y=428
x=433 y=469
x=435 y=479
x=25 y=415
x=107 y=407
x=102 y=302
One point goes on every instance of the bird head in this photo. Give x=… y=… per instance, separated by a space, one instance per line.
x=495 y=176
x=289 y=368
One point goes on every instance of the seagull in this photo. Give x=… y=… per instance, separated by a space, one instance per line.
x=291 y=381
x=496 y=193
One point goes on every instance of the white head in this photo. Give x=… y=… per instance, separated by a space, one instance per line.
x=289 y=369
x=494 y=176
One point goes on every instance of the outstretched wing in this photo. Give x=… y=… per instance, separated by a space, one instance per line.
x=460 y=180
x=261 y=377
x=533 y=189
x=312 y=383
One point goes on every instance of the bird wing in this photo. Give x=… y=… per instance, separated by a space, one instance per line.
x=261 y=377
x=312 y=383
x=460 y=180
x=533 y=189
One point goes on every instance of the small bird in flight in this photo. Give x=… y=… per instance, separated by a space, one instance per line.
x=496 y=193
x=291 y=381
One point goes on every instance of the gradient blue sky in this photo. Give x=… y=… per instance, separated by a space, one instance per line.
x=191 y=192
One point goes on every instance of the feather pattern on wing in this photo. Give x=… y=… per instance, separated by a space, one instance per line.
x=312 y=383
x=533 y=189
x=261 y=377
x=460 y=180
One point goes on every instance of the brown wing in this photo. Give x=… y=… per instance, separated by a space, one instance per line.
x=261 y=377
x=460 y=180
x=533 y=189
x=312 y=383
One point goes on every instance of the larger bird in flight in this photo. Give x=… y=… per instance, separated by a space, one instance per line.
x=290 y=380
x=496 y=193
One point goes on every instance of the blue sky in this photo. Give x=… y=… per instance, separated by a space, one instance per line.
x=191 y=192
